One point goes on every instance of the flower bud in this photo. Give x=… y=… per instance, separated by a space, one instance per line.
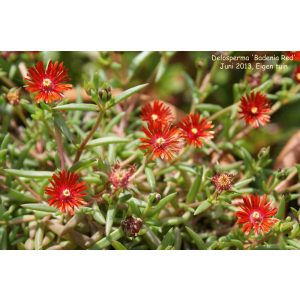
x=286 y=226
x=102 y=95
x=105 y=93
x=287 y=196
x=264 y=153
x=13 y=96
x=282 y=174
x=254 y=80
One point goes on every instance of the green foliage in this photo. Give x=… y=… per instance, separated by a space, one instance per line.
x=175 y=203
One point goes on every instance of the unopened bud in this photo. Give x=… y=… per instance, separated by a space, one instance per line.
x=13 y=96
x=287 y=196
x=287 y=226
x=200 y=63
x=282 y=174
x=104 y=94
x=264 y=153
x=100 y=93
x=108 y=90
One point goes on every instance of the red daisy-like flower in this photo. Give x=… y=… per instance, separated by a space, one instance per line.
x=295 y=55
x=119 y=177
x=222 y=181
x=66 y=192
x=49 y=84
x=162 y=140
x=157 y=112
x=297 y=74
x=256 y=213
x=255 y=109
x=195 y=130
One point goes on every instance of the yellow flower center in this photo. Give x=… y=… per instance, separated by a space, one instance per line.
x=256 y=215
x=254 y=110
x=224 y=180
x=160 y=141
x=194 y=130
x=120 y=174
x=298 y=76
x=47 y=82
x=66 y=193
x=154 y=117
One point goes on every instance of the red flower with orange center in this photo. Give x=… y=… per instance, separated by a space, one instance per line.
x=295 y=55
x=119 y=177
x=158 y=112
x=162 y=140
x=195 y=130
x=255 y=109
x=49 y=84
x=66 y=192
x=256 y=213
x=222 y=181
x=297 y=74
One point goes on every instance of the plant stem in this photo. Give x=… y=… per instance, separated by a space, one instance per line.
x=20 y=113
x=178 y=158
x=141 y=168
x=60 y=147
x=205 y=82
x=283 y=184
x=129 y=160
x=29 y=189
x=89 y=136
x=294 y=187
x=47 y=126
x=7 y=81
x=223 y=111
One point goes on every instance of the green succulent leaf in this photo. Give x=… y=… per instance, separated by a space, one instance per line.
x=77 y=107
x=124 y=95
x=107 y=140
x=29 y=174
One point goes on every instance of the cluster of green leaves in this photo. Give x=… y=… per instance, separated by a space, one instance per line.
x=177 y=202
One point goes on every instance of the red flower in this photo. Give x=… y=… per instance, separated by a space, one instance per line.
x=196 y=130
x=162 y=140
x=295 y=55
x=119 y=177
x=256 y=213
x=297 y=74
x=255 y=109
x=66 y=192
x=222 y=181
x=48 y=84
x=158 y=112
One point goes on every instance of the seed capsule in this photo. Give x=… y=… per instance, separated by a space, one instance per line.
x=131 y=226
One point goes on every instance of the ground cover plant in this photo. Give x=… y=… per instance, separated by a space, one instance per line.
x=149 y=150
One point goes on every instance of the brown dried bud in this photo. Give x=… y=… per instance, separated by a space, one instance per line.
x=131 y=226
x=13 y=96
x=254 y=80
x=100 y=93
